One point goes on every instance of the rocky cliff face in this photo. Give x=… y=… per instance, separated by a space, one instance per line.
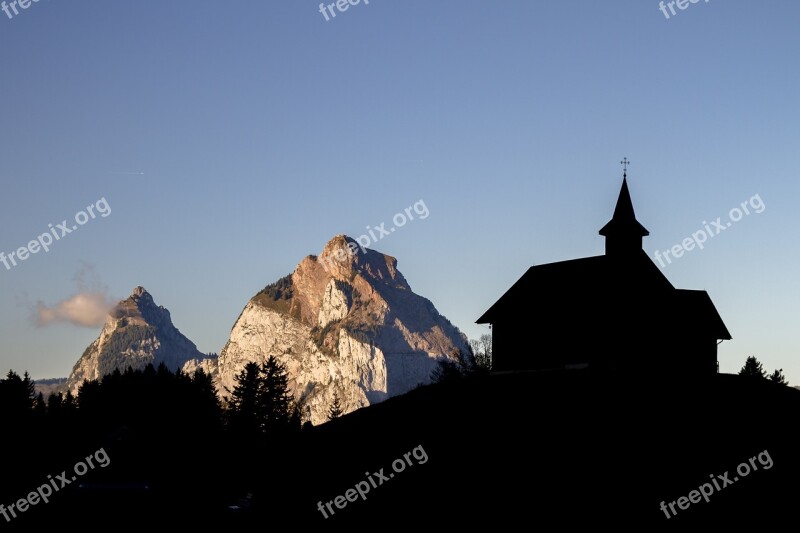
x=136 y=332
x=345 y=324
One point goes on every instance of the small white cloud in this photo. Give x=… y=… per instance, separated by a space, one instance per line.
x=87 y=309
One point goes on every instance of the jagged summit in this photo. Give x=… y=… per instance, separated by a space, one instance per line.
x=136 y=332
x=139 y=291
x=342 y=257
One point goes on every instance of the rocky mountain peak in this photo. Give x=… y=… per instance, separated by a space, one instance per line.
x=342 y=258
x=139 y=309
x=137 y=332
x=346 y=324
x=139 y=291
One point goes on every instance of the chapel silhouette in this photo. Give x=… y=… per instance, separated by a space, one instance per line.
x=614 y=312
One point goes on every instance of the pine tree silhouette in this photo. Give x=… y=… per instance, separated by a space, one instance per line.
x=275 y=403
x=244 y=404
x=54 y=405
x=778 y=377
x=16 y=395
x=39 y=405
x=335 y=410
x=752 y=369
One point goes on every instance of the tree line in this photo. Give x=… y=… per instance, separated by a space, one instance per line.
x=755 y=370
x=259 y=404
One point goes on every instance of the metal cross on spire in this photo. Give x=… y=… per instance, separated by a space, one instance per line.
x=624 y=164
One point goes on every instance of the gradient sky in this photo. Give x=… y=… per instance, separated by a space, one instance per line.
x=232 y=139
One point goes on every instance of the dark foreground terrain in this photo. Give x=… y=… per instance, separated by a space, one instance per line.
x=541 y=449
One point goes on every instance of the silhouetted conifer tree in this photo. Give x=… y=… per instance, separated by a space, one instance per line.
x=449 y=369
x=16 y=395
x=244 y=404
x=206 y=407
x=260 y=401
x=752 y=369
x=54 y=405
x=275 y=402
x=39 y=405
x=778 y=377
x=335 y=410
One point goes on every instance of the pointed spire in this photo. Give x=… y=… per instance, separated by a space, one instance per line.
x=623 y=232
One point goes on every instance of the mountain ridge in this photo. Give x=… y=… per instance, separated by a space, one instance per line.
x=346 y=324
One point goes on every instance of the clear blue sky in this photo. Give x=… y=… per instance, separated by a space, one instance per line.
x=232 y=139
